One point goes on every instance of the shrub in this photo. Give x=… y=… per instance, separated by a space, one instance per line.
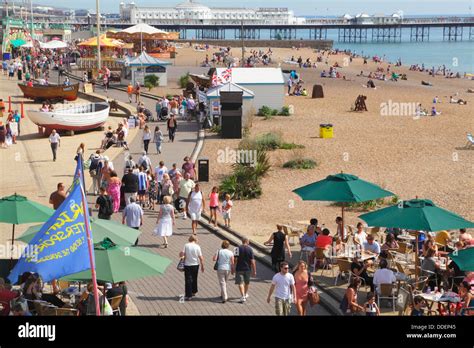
x=285 y=111
x=268 y=141
x=291 y=146
x=151 y=81
x=184 y=80
x=274 y=112
x=268 y=117
x=304 y=163
x=264 y=111
x=215 y=129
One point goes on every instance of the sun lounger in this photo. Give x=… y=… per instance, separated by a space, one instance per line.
x=470 y=141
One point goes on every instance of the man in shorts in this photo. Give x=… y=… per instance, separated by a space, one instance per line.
x=244 y=265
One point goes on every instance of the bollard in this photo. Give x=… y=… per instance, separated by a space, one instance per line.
x=9 y=104
x=22 y=110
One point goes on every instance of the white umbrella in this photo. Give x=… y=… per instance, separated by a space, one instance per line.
x=143 y=28
x=29 y=44
x=54 y=44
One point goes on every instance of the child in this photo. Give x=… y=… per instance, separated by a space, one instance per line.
x=226 y=208
x=142 y=186
x=418 y=302
x=152 y=190
x=371 y=308
x=213 y=205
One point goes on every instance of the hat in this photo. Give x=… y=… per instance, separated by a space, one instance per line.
x=106 y=158
x=108 y=286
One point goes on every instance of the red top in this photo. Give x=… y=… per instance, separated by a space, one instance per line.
x=323 y=241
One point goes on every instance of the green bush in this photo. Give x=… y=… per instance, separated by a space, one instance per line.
x=268 y=141
x=151 y=81
x=184 y=80
x=291 y=146
x=268 y=117
x=215 y=129
x=304 y=163
x=274 y=112
x=264 y=111
x=285 y=111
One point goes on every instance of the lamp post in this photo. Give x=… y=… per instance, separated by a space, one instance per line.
x=32 y=28
x=99 y=63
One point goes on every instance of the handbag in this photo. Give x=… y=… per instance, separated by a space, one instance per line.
x=180 y=266
x=216 y=265
x=313 y=296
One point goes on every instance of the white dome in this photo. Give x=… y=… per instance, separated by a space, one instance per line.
x=364 y=15
x=190 y=5
x=396 y=15
x=347 y=16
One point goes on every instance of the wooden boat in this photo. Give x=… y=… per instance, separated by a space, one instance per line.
x=72 y=117
x=50 y=92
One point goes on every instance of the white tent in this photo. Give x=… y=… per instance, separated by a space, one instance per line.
x=29 y=44
x=54 y=44
x=267 y=84
x=213 y=97
x=136 y=68
x=143 y=28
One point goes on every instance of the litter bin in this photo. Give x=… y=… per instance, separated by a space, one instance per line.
x=326 y=131
x=203 y=169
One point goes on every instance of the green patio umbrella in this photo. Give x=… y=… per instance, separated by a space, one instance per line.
x=464 y=259
x=17 y=210
x=115 y=263
x=101 y=229
x=416 y=214
x=17 y=42
x=343 y=188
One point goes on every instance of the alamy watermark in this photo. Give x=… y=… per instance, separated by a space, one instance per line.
x=392 y=108
x=231 y=156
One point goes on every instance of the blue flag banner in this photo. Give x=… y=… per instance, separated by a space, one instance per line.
x=60 y=247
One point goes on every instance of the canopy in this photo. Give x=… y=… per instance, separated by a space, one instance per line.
x=143 y=28
x=104 y=42
x=54 y=44
x=215 y=92
x=416 y=214
x=17 y=42
x=464 y=259
x=18 y=209
x=117 y=263
x=29 y=44
x=145 y=59
x=101 y=229
x=143 y=31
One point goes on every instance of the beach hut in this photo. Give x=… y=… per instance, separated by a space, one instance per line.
x=136 y=68
x=267 y=84
x=213 y=99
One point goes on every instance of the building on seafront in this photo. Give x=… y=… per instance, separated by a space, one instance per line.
x=191 y=12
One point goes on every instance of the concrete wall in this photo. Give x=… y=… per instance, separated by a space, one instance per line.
x=270 y=95
x=317 y=44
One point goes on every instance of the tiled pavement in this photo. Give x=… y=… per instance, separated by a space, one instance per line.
x=160 y=295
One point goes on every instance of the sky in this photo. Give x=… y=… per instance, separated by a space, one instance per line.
x=300 y=7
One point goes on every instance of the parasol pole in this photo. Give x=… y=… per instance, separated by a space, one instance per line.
x=11 y=249
x=342 y=227
x=417 y=257
x=99 y=62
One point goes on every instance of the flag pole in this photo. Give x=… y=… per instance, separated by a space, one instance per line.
x=89 y=240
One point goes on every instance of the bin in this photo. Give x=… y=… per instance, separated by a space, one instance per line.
x=326 y=131
x=203 y=170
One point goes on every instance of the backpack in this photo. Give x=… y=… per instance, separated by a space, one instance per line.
x=108 y=207
x=94 y=163
x=145 y=164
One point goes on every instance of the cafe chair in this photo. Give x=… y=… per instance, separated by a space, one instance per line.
x=387 y=292
x=115 y=304
x=66 y=312
x=320 y=256
x=344 y=267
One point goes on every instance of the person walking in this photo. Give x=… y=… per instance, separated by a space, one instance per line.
x=55 y=141
x=130 y=185
x=165 y=221
x=192 y=258
x=114 y=190
x=195 y=206
x=166 y=187
x=137 y=92
x=130 y=92
x=303 y=282
x=189 y=167
x=283 y=283
x=225 y=261
x=58 y=196
x=280 y=241
x=172 y=125
x=213 y=205
x=132 y=215
x=146 y=137
x=244 y=265
x=142 y=186
x=158 y=139
x=105 y=205
x=95 y=167
x=186 y=185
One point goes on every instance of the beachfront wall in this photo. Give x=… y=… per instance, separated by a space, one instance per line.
x=267 y=84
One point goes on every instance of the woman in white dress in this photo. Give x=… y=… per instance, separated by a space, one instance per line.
x=165 y=221
x=195 y=206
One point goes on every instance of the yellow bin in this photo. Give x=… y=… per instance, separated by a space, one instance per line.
x=326 y=131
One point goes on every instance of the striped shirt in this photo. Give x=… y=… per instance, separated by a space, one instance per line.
x=142 y=179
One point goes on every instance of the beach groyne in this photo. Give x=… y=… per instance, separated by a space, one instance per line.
x=316 y=44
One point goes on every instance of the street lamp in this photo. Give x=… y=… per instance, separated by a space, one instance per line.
x=99 y=65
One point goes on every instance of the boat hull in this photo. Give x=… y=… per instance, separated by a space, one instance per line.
x=40 y=92
x=74 y=118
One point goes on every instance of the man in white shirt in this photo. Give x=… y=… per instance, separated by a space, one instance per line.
x=285 y=291
x=383 y=275
x=160 y=171
x=371 y=245
x=144 y=161
x=192 y=258
x=185 y=187
x=55 y=141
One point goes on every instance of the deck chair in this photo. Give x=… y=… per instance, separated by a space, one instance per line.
x=115 y=304
x=387 y=292
x=470 y=141
x=344 y=267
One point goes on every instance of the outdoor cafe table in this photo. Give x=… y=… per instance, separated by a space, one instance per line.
x=363 y=256
x=443 y=299
x=407 y=238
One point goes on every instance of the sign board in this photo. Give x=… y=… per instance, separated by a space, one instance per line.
x=131 y=122
x=88 y=88
x=215 y=108
x=139 y=76
x=155 y=69
x=201 y=97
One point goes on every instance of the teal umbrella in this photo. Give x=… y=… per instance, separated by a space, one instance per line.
x=115 y=263
x=17 y=210
x=101 y=229
x=416 y=214
x=17 y=42
x=464 y=259
x=343 y=188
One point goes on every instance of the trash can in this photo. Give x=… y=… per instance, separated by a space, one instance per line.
x=203 y=169
x=326 y=131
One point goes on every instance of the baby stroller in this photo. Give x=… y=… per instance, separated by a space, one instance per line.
x=164 y=114
x=148 y=115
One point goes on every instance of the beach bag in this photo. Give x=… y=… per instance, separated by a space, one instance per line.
x=216 y=265
x=313 y=296
x=180 y=266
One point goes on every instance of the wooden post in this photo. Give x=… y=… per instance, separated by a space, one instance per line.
x=9 y=104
